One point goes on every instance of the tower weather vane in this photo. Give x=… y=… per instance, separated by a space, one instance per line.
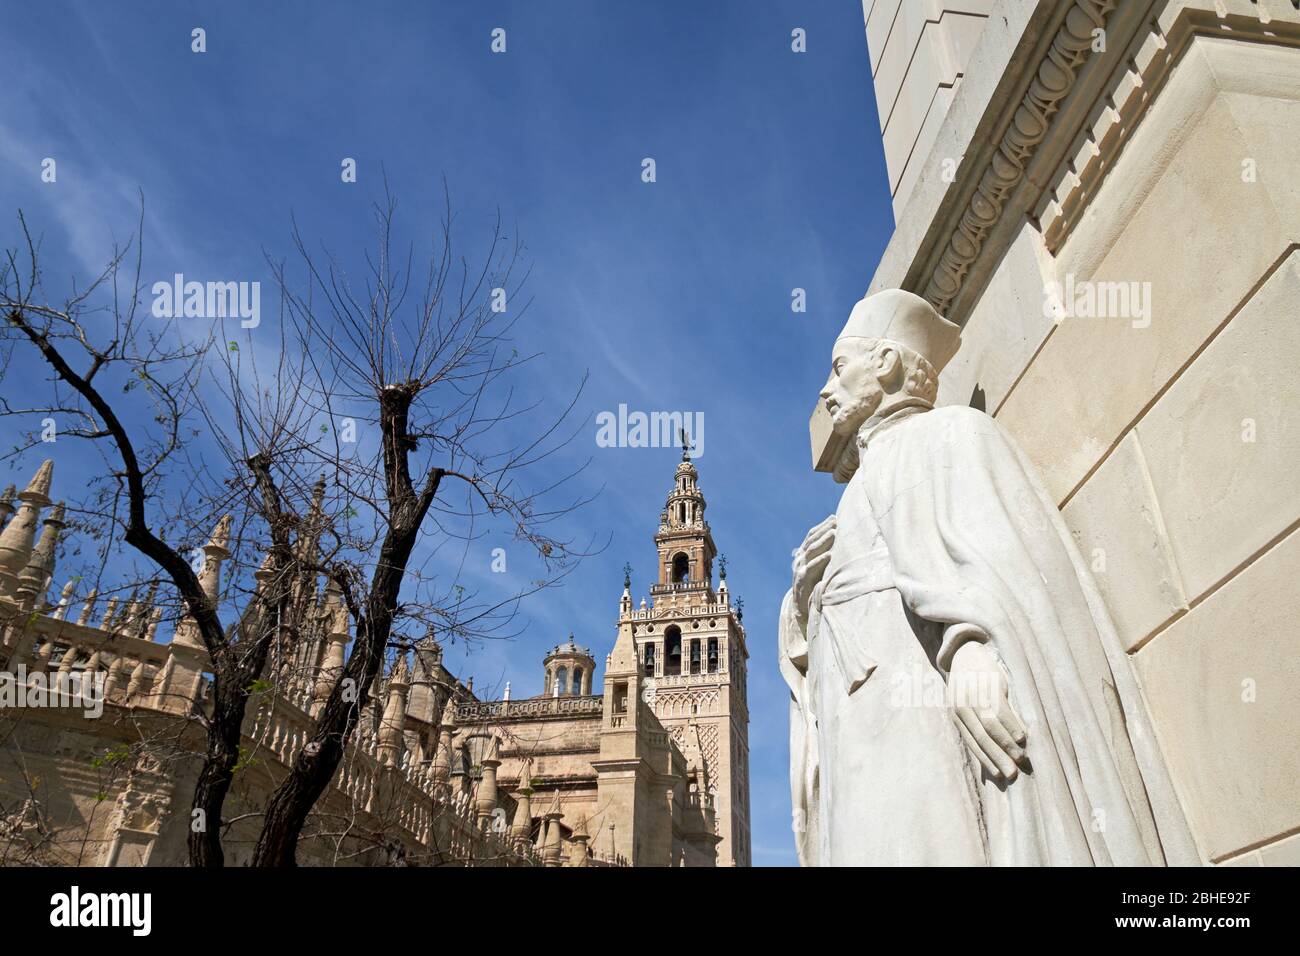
x=687 y=447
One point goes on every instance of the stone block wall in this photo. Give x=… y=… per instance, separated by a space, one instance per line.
x=919 y=50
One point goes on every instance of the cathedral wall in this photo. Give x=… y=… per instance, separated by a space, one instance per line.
x=621 y=799
x=559 y=752
x=559 y=749
x=919 y=49
x=116 y=791
x=724 y=744
x=53 y=763
x=1164 y=413
x=108 y=778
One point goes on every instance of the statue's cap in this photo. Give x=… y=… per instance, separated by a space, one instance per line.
x=907 y=319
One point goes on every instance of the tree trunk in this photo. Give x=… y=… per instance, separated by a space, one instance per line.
x=214 y=783
x=287 y=811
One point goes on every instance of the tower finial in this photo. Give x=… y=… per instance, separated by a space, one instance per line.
x=20 y=532
x=6 y=503
x=627 y=575
x=38 y=489
x=722 y=567
x=221 y=534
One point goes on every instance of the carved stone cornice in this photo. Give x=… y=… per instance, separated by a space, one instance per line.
x=1007 y=165
x=1152 y=56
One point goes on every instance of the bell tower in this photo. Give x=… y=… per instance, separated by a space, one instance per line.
x=691 y=656
x=686 y=550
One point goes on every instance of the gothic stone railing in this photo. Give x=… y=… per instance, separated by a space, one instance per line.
x=135 y=669
x=653 y=614
x=429 y=812
x=689 y=680
x=476 y=710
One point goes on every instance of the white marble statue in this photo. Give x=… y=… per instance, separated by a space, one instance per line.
x=959 y=693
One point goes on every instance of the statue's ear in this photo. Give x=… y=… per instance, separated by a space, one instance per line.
x=889 y=367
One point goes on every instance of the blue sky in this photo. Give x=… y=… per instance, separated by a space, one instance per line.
x=675 y=295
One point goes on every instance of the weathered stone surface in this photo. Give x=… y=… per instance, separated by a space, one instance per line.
x=1183 y=164
x=1118 y=527
x=1282 y=853
x=1068 y=439
x=1223 y=443
x=1235 y=760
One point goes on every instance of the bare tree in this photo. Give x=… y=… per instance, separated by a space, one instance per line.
x=421 y=364
x=422 y=358
x=99 y=340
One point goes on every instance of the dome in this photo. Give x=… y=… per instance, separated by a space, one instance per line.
x=568 y=670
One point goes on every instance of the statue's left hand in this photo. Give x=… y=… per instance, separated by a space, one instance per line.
x=810 y=562
x=977 y=693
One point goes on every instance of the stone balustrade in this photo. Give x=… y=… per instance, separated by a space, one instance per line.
x=563 y=706
x=651 y=614
x=664 y=681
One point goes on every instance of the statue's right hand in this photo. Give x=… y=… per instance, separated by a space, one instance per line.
x=810 y=561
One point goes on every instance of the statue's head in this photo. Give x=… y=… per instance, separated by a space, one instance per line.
x=892 y=348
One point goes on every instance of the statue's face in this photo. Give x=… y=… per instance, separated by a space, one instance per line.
x=853 y=392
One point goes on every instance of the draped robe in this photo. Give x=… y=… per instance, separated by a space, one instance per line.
x=945 y=534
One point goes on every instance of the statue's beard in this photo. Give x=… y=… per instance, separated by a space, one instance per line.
x=847 y=419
